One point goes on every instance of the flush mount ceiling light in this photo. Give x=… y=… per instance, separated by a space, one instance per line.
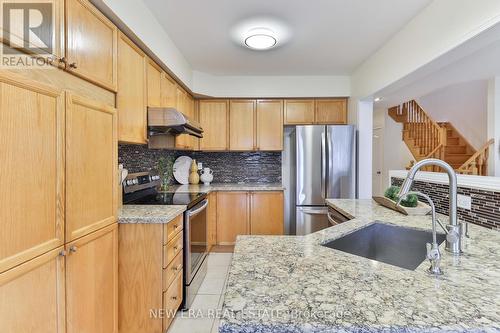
x=260 y=39
x=260 y=33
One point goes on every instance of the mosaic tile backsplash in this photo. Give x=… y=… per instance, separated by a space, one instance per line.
x=228 y=167
x=485 y=204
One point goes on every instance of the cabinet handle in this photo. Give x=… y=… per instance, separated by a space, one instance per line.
x=73 y=249
x=175 y=248
x=174 y=298
x=176 y=226
x=73 y=65
x=178 y=268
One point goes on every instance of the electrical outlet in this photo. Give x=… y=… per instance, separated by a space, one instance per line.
x=464 y=201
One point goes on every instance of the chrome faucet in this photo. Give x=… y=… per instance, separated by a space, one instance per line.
x=433 y=253
x=453 y=229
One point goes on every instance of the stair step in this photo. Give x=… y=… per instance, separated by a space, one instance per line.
x=456 y=158
x=456 y=149
x=453 y=141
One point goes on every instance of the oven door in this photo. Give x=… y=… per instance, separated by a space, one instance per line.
x=195 y=238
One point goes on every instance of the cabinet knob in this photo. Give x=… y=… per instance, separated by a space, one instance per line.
x=63 y=60
x=73 y=65
x=62 y=253
x=174 y=298
x=73 y=249
x=175 y=248
x=176 y=226
x=178 y=268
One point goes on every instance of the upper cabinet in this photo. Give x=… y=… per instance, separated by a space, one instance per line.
x=242 y=125
x=319 y=111
x=91 y=44
x=269 y=125
x=213 y=117
x=154 y=76
x=91 y=164
x=131 y=99
x=168 y=91
x=331 y=111
x=299 y=111
x=32 y=127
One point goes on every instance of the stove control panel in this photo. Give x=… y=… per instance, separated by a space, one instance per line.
x=140 y=181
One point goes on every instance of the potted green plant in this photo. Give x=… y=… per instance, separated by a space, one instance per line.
x=409 y=206
x=165 y=171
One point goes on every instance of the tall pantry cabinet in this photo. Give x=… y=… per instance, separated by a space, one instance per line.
x=58 y=245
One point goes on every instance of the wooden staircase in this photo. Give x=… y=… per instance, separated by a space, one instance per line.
x=426 y=138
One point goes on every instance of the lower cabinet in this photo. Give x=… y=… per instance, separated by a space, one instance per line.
x=266 y=213
x=248 y=213
x=70 y=289
x=232 y=216
x=150 y=279
x=32 y=295
x=92 y=282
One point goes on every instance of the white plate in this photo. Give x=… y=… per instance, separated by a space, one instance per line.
x=181 y=169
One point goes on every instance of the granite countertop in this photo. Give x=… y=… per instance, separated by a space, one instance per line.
x=293 y=284
x=214 y=187
x=149 y=213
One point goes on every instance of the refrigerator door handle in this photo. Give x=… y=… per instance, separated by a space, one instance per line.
x=323 y=165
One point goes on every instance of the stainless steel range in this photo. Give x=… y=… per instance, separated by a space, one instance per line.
x=141 y=189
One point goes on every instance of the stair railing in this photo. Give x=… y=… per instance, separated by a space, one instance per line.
x=477 y=164
x=427 y=133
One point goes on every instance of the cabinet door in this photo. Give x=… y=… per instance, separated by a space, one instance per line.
x=183 y=141
x=242 y=125
x=299 y=111
x=212 y=219
x=131 y=99
x=214 y=118
x=232 y=216
x=91 y=44
x=194 y=143
x=331 y=111
x=91 y=164
x=31 y=168
x=154 y=74
x=168 y=91
x=32 y=296
x=269 y=125
x=92 y=283
x=266 y=214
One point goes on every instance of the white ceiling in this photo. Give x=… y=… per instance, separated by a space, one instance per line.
x=329 y=37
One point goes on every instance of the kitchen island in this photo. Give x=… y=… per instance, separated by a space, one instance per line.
x=294 y=284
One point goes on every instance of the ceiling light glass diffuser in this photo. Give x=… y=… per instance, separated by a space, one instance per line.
x=260 y=41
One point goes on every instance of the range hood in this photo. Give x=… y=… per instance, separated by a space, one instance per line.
x=163 y=121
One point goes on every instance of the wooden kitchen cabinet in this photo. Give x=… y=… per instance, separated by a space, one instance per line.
x=233 y=214
x=154 y=75
x=32 y=163
x=91 y=164
x=269 y=126
x=146 y=282
x=92 y=282
x=168 y=91
x=32 y=295
x=213 y=117
x=212 y=220
x=266 y=213
x=91 y=44
x=242 y=125
x=131 y=99
x=184 y=141
x=331 y=111
x=299 y=111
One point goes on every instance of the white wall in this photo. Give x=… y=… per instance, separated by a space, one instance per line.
x=440 y=27
x=464 y=105
x=395 y=153
x=271 y=86
x=365 y=141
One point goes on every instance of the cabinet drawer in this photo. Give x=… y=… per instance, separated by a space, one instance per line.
x=171 y=271
x=171 y=229
x=173 y=248
x=172 y=299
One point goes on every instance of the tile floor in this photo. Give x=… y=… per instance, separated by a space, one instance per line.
x=201 y=317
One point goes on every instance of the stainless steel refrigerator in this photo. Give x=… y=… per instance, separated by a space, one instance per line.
x=319 y=162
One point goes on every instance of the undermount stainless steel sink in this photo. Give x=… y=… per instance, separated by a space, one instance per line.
x=390 y=244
